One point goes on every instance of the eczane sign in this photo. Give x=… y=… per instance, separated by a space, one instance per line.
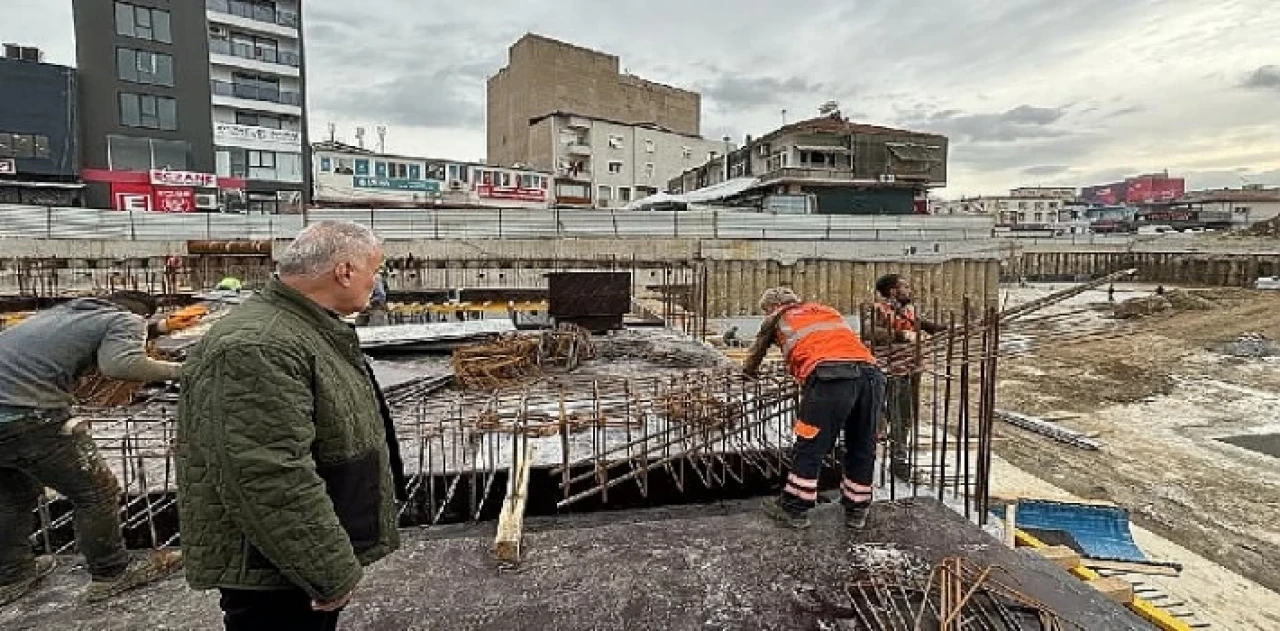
x=184 y=178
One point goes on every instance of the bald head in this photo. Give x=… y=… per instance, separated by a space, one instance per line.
x=333 y=263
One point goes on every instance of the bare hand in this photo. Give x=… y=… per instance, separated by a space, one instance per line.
x=333 y=605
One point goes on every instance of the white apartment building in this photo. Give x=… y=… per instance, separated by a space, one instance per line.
x=607 y=164
x=257 y=84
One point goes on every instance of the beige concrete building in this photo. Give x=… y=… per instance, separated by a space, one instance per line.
x=607 y=163
x=544 y=76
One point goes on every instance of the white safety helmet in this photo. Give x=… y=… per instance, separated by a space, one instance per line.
x=776 y=297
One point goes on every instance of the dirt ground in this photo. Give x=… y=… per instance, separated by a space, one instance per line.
x=1161 y=401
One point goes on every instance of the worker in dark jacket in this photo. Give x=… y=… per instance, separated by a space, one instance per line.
x=895 y=329
x=842 y=389
x=41 y=445
x=288 y=468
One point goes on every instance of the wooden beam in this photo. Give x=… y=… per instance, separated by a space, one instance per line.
x=506 y=545
x=1011 y=525
x=1117 y=589
x=1061 y=556
x=1132 y=568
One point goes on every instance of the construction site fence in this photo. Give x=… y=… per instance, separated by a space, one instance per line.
x=38 y=222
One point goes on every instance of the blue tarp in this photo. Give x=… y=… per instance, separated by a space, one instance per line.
x=1097 y=532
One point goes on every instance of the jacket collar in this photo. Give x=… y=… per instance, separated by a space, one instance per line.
x=282 y=295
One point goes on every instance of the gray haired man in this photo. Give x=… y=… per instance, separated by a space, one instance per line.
x=288 y=466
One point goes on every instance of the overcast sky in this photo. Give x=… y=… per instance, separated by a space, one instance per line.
x=1031 y=92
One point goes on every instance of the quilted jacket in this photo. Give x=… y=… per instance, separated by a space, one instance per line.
x=287 y=462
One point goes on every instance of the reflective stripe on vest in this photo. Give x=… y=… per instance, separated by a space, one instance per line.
x=793 y=337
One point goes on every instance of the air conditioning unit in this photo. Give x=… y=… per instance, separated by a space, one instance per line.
x=207 y=201
x=888 y=178
x=455 y=185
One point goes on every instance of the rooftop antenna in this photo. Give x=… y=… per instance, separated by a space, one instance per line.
x=360 y=137
x=382 y=138
x=333 y=132
x=784 y=116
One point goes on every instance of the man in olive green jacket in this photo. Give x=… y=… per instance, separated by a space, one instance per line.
x=288 y=469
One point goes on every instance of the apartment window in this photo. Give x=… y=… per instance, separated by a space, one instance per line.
x=435 y=171
x=24 y=146
x=648 y=170
x=380 y=169
x=604 y=193
x=506 y=180
x=140 y=66
x=148 y=111
x=624 y=194
x=575 y=191
x=1022 y=206
x=398 y=170
x=262 y=160
x=615 y=141
x=362 y=167
x=265 y=120
x=343 y=166
x=415 y=171
x=129 y=153
x=615 y=166
x=648 y=145
x=326 y=165
x=686 y=152
x=143 y=23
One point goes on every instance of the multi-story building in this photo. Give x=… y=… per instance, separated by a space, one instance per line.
x=346 y=176
x=829 y=165
x=39 y=155
x=193 y=105
x=1020 y=206
x=1240 y=207
x=606 y=163
x=548 y=86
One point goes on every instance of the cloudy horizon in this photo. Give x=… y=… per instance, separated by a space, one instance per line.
x=1030 y=92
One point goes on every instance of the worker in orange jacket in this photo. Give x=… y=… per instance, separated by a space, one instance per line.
x=842 y=389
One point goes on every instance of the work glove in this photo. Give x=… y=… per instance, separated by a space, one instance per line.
x=182 y=319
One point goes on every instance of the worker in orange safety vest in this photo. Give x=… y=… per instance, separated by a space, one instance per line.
x=842 y=389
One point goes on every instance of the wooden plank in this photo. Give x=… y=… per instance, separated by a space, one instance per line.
x=1117 y=589
x=1132 y=568
x=1011 y=525
x=506 y=545
x=1062 y=556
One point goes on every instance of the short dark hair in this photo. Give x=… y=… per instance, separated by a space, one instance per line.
x=887 y=283
x=141 y=303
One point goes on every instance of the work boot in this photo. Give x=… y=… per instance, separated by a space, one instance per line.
x=9 y=592
x=855 y=515
x=777 y=512
x=140 y=571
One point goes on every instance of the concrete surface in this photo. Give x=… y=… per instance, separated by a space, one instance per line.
x=721 y=566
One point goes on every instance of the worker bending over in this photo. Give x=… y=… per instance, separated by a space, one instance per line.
x=893 y=333
x=40 y=445
x=841 y=388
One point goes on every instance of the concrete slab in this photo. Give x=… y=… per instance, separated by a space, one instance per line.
x=720 y=566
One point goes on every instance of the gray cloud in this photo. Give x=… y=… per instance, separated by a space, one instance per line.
x=731 y=91
x=1264 y=77
x=1046 y=170
x=1021 y=122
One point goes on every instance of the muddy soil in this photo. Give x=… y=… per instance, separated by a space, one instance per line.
x=1162 y=402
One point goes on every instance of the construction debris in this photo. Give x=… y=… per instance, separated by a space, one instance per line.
x=1050 y=429
x=1141 y=306
x=1250 y=345
x=514 y=358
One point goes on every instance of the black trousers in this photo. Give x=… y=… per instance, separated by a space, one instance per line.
x=837 y=398
x=273 y=610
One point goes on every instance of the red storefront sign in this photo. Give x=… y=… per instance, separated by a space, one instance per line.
x=184 y=178
x=174 y=200
x=131 y=196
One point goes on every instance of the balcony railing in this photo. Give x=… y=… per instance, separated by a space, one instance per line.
x=253 y=11
x=808 y=174
x=245 y=51
x=256 y=93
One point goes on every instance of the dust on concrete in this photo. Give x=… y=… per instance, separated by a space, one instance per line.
x=1160 y=402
